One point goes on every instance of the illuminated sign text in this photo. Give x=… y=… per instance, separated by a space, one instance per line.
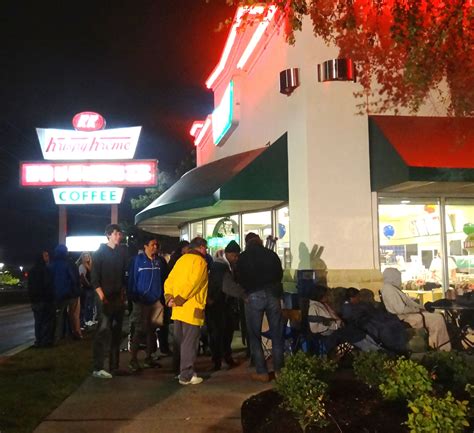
x=124 y=173
x=61 y=144
x=88 y=121
x=224 y=119
x=88 y=195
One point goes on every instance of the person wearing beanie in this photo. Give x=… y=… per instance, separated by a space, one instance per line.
x=260 y=273
x=222 y=310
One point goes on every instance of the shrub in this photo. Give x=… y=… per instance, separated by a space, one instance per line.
x=448 y=368
x=7 y=278
x=432 y=414
x=302 y=388
x=405 y=379
x=369 y=367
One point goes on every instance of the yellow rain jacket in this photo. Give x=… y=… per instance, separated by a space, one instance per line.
x=187 y=285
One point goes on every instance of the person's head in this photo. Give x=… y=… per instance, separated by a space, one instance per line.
x=199 y=244
x=232 y=251
x=45 y=256
x=353 y=295
x=319 y=293
x=252 y=238
x=367 y=296
x=392 y=276
x=114 y=234
x=85 y=258
x=183 y=247
x=60 y=252
x=150 y=246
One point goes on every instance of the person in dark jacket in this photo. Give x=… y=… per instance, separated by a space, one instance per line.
x=66 y=284
x=41 y=293
x=260 y=273
x=221 y=309
x=109 y=266
x=145 y=290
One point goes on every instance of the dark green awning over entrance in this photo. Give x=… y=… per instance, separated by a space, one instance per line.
x=248 y=181
x=411 y=154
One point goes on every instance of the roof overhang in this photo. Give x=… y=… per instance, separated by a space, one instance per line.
x=422 y=154
x=248 y=181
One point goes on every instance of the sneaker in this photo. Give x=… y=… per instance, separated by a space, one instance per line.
x=101 y=374
x=195 y=380
x=134 y=366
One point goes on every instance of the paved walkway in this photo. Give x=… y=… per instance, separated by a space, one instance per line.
x=154 y=402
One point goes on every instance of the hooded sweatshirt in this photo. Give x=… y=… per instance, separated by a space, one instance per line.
x=109 y=266
x=395 y=301
x=65 y=275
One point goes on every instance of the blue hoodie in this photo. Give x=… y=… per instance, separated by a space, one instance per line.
x=65 y=275
x=144 y=280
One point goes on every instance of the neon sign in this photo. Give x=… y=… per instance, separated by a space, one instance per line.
x=88 y=121
x=224 y=119
x=137 y=173
x=87 y=195
x=63 y=144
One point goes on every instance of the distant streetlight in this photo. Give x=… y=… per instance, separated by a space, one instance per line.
x=1 y=266
x=21 y=268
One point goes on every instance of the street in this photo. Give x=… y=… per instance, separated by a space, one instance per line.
x=16 y=327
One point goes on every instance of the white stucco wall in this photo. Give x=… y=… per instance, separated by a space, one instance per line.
x=330 y=201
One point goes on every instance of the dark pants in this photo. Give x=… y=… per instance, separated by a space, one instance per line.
x=187 y=340
x=87 y=306
x=44 y=314
x=144 y=329
x=163 y=332
x=220 y=325
x=263 y=301
x=108 y=335
x=61 y=327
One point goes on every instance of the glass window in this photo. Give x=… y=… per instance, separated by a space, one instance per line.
x=196 y=229
x=410 y=240
x=184 y=232
x=258 y=222
x=460 y=243
x=220 y=231
x=283 y=235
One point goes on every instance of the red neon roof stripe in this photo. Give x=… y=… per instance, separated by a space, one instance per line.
x=439 y=142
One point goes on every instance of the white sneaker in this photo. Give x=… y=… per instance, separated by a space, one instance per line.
x=195 y=380
x=101 y=374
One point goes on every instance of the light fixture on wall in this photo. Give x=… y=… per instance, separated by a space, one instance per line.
x=337 y=70
x=289 y=80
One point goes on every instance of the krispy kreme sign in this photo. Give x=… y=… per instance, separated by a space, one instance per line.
x=63 y=144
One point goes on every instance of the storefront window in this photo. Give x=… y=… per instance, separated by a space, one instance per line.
x=220 y=231
x=283 y=234
x=196 y=229
x=460 y=244
x=410 y=240
x=258 y=222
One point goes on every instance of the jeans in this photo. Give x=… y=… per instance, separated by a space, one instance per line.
x=44 y=314
x=108 y=335
x=258 y=303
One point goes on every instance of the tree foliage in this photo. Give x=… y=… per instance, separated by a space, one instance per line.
x=411 y=48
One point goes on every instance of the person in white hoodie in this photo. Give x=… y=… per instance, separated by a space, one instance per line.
x=397 y=302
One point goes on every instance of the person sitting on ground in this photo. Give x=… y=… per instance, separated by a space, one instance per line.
x=381 y=325
x=397 y=302
x=324 y=321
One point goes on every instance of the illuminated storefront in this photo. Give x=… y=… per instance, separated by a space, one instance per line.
x=347 y=194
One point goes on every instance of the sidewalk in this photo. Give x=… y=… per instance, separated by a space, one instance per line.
x=152 y=401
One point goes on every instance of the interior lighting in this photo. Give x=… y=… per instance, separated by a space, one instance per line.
x=262 y=26
x=241 y=12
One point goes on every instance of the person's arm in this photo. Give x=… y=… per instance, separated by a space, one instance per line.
x=131 y=278
x=397 y=302
x=231 y=288
x=96 y=277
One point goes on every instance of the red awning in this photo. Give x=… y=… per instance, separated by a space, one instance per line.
x=439 y=142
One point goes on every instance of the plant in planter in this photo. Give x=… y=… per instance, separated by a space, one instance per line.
x=302 y=386
x=405 y=379
x=433 y=414
x=369 y=367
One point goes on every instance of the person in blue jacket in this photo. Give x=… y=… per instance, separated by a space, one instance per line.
x=145 y=288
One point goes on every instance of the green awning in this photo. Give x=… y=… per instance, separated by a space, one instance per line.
x=248 y=181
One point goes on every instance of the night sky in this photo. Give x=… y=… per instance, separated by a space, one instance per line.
x=140 y=62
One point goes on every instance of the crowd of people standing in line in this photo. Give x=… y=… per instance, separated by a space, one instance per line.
x=194 y=289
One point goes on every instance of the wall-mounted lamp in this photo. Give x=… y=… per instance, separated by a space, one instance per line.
x=337 y=70
x=289 y=80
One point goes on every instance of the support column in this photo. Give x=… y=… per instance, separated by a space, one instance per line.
x=114 y=214
x=62 y=232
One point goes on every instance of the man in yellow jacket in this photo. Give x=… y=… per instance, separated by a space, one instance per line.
x=186 y=293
